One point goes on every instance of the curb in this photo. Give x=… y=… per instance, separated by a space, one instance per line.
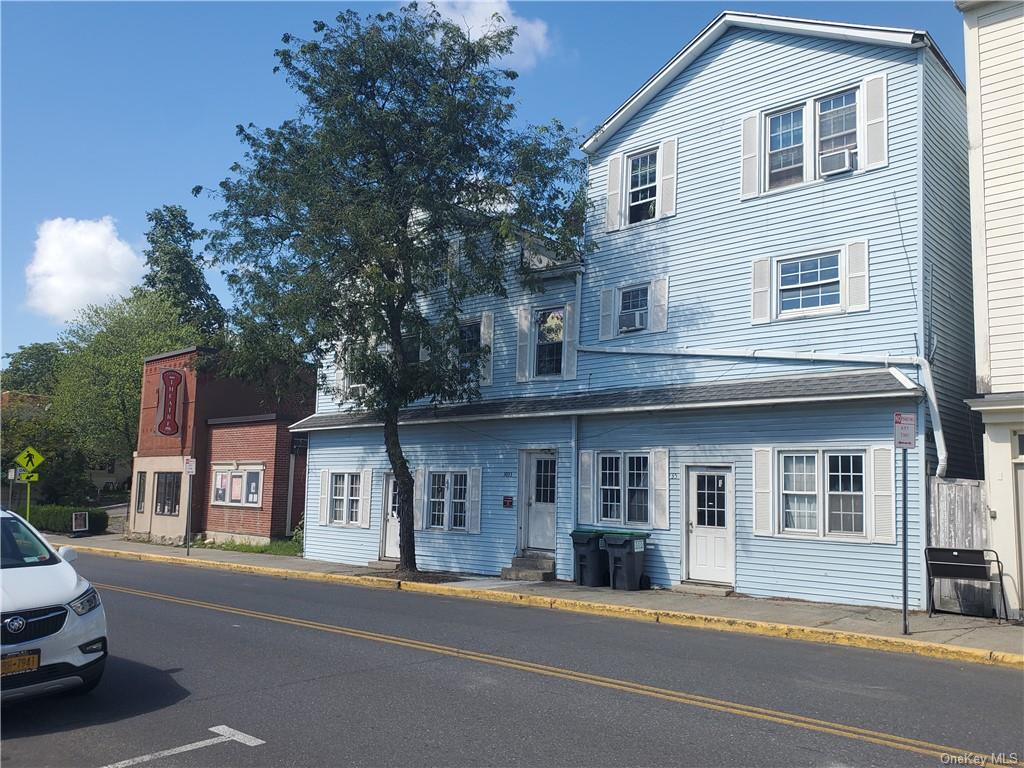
x=955 y=653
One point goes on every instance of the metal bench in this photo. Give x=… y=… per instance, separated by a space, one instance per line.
x=966 y=564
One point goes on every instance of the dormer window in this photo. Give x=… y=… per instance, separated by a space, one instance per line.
x=643 y=187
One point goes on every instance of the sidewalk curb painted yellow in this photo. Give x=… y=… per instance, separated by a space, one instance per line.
x=675 y=618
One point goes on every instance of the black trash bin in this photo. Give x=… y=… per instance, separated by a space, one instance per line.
x=626 y=559
x=591 y=561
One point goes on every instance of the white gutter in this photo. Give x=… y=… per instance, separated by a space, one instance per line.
x=830 y=357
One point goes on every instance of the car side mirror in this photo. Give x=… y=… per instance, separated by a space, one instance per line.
x=67 y=554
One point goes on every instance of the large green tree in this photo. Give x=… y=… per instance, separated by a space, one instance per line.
x=32 y=368
x=345 y=222
x=176 y=269
x=97 y=397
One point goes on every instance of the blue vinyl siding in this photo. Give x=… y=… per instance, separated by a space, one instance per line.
x=948 y=297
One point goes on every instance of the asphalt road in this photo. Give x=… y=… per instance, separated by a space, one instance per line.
x=326 y=675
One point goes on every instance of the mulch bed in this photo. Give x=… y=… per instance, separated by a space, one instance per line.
x=427 y=577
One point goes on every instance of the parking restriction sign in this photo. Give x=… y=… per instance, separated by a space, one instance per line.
x=904 y=430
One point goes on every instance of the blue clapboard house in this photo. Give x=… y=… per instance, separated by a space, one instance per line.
x=783 y=261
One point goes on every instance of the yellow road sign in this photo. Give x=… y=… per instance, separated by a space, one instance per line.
x=30 y=458
x=30 y=477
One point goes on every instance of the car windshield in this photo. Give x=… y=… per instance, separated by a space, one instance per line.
x=20 y=548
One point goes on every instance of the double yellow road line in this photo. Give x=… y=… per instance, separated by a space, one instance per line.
x=947 y=755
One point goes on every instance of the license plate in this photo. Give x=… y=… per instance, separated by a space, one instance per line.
x=17 y=663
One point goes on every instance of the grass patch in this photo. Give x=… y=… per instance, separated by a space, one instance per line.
x=287 y=547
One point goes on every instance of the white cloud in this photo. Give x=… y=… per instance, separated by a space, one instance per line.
x=78 y=262
x=532 y=42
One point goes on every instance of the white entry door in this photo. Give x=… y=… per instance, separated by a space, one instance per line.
x=540 y=501
x=711 y=526
x=390 y=550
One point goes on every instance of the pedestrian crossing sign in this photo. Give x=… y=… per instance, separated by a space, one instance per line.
x=30 y=458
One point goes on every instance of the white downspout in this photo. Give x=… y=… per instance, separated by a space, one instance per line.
x=769 y=354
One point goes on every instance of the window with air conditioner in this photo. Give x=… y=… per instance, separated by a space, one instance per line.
x=633 y=308
x=837 y=133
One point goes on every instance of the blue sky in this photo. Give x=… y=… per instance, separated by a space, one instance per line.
x=109 y=110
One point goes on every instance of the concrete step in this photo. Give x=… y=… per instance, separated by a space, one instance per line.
x=512 y=573
x=534 y=562
x=702 y=588
x=383 y=565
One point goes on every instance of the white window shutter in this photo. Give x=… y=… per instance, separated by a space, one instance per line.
x=667 y=189
x=365 y=494
x=569 y=347
x=659 y=486
x=761 y=292
x=585 y=497
x=487 y=340
x=857 y=280
x=424 y=354
x=764 y=522
x=417 y=499
x=750 y=165
x=325 y=495
x=473 y=507
x=883 y=509
x=523 y=346
x=659 y=304
x=607 y=314
x=613 y=212
x=875 y=152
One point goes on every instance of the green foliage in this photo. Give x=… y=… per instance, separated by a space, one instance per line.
x=298 y=538
x=57 y=519
x=176 y=271
x=404 y=185
x=63 y=476
x=287 y=547
x=32 y=368
x=97 y=398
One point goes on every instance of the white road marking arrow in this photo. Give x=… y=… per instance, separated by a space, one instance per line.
x=226 y=734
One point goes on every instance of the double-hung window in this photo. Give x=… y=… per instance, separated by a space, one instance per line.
x=549 y=325
x=823 y=493
x=345 y=498
x=625 y=476
x=446 y=504
x=809 y=283
x=642 y=186
x=837 y=132
x=469 y=344
x=786 y=148
x=633 y=308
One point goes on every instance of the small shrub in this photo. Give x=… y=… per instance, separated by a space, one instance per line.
x=57 y=519
x=297 y=538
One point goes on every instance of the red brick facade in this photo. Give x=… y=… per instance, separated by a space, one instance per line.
x=266 y=444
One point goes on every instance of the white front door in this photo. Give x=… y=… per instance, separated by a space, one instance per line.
x=711 y=529
x=390 y=550
x=540 y=501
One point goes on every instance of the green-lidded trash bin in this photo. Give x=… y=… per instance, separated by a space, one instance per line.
x=626 y=558
x=591 y=561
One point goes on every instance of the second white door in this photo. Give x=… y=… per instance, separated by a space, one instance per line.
x=390 y=550
x=540 y=501
x=711 y=526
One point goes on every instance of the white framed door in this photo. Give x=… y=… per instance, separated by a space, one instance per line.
x=389 y=548
x=711 y=529
x=540 y=499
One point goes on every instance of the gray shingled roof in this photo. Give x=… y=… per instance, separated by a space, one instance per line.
x=878 y=382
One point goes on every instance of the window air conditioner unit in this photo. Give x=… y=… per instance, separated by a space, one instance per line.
x=836 y=162
x=632 y=321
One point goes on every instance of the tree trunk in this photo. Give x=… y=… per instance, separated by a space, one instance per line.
x=400 y=468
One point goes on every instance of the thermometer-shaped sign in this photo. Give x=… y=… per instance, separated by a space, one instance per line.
x=169 y=422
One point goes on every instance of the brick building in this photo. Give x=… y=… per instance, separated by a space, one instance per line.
x=249 y=477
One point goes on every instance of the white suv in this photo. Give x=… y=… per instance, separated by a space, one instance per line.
x=54 y=628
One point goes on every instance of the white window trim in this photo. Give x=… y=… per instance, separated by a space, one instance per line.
x=624 y=456
x=447 y=526
x=810 y=146
x=232 y=469
x=777 y=312
x=624 y=196
x=534 y=311
x=822 y=533
x=619 y=290
x=345 y=523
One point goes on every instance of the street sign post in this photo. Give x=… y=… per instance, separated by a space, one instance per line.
x=190 y=470
x=904 y=436
x=29 y=460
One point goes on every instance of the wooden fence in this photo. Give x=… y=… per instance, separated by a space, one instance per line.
x=957 y=517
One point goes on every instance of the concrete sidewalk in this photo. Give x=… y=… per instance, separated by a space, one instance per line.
x=959 y=638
